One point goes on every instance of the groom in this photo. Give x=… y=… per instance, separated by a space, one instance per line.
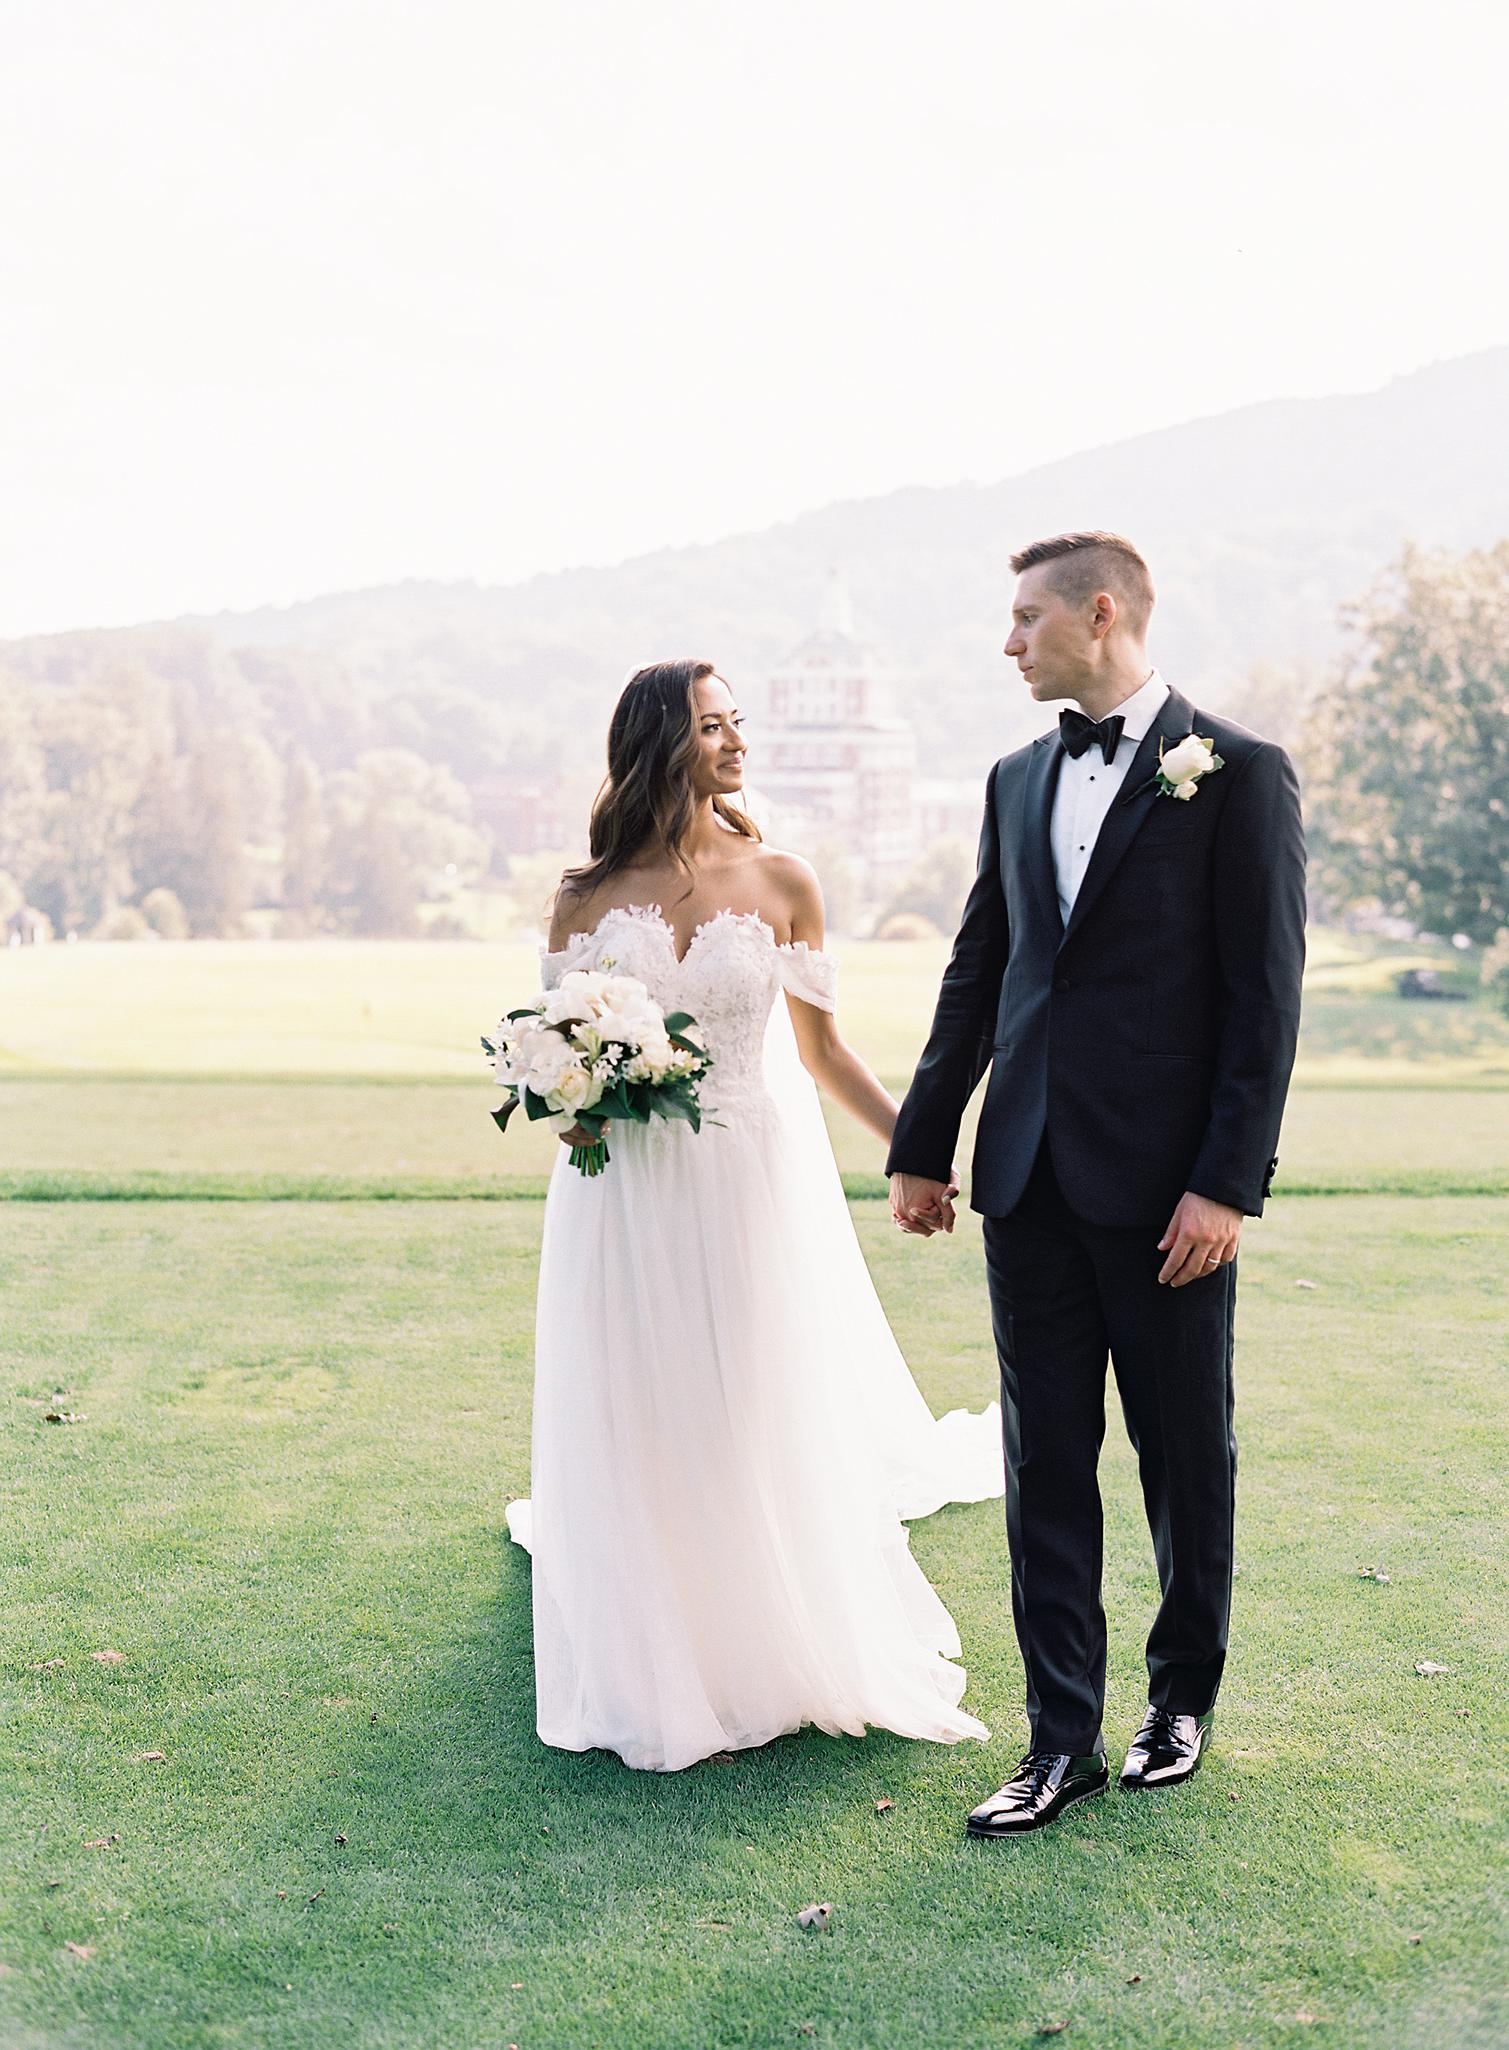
x=1128 y=968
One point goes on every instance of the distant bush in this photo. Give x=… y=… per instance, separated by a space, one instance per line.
x=165 y=914
x=906 y=925
x=124 y=923
x=1495 y=970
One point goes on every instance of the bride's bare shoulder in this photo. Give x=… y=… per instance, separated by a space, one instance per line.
x=571 y=911
x=790 y=883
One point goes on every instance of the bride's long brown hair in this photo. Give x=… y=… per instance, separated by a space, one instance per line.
x=647 y=800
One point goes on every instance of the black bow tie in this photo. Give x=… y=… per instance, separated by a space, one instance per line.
x=1078 y=732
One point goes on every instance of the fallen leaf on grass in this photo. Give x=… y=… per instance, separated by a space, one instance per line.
x=1304 y=2016
x=721 y=1758
x=1135 y=1980
x=151 y=1757
x=314 y=1897
x=45 y=1665
x=80 y=1949
x=1307 y=1284
x=516 y=1986
x=1429 y=1666
x=109 y=1658
x=1373 y=1573
x=883 y=1804
x=710 y=1922
x=65 y=1416
x=816 y=1915
x=101 y=1843
x=340 y=1836
x=1051 y=2028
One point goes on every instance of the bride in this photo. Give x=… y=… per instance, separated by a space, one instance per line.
x=726 y=1437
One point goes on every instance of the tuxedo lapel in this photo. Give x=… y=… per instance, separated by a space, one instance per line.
x=1037 y=816
x=1133 y=803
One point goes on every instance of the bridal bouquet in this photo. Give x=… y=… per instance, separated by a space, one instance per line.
x=596 y=1047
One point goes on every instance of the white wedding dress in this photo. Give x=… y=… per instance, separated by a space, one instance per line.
x=726 y=1436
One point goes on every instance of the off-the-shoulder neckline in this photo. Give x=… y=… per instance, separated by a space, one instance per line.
x=652 y=914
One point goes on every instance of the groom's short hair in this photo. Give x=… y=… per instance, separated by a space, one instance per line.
x=1094 y=561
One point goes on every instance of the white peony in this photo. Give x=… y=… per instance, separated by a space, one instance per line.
x=1191 y=758
x=550 y=1060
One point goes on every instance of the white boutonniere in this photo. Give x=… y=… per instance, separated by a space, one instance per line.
x=1185 y=766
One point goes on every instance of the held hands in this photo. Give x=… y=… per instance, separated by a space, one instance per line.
x=920 y=1206
x=1201 y=1239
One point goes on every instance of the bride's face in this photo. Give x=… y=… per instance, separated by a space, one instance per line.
x=719 y=765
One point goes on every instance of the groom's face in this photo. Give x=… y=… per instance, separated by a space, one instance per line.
x=1052 y=641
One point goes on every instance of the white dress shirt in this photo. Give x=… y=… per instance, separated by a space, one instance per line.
x=1087 y=785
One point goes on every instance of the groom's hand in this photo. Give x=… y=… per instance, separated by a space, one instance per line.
x=921 y=1206
x=1201 y=1239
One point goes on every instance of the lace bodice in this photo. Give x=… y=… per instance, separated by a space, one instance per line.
x=727 y=979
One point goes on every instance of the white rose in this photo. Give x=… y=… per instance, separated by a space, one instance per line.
x=576 y=1090
x=1189 y=759
x=656 y=1051
x=1186 y=789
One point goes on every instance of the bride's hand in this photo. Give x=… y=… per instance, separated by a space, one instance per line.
x=575 y=1136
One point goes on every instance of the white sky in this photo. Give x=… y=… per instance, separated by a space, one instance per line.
x=301 y=295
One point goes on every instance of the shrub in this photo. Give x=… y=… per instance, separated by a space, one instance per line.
x=906 y=925
x=165 y=914
x=124 y=923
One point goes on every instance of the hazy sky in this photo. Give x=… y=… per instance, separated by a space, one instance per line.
x=300 y=297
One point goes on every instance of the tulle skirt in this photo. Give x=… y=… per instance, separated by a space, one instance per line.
x=725 y=1442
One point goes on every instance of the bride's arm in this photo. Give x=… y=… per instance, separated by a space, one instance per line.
x=831 y=1062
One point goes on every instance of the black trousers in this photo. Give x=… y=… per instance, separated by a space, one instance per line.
x=1064 y=1294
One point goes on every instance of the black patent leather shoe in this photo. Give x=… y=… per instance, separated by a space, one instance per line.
x=1167 y=1749
x=1042 y=1787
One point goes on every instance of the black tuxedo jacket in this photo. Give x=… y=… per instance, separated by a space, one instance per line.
x=1154 y=1035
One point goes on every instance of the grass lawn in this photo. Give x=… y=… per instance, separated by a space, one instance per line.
x=100 y=1134
x=283 y=1507
x=395 y=1008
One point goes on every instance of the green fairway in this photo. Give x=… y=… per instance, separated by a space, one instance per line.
x=282 y=1505
x=395 y=1008
x=100 y=1133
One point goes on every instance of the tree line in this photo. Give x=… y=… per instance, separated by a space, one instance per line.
x=156 y=781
